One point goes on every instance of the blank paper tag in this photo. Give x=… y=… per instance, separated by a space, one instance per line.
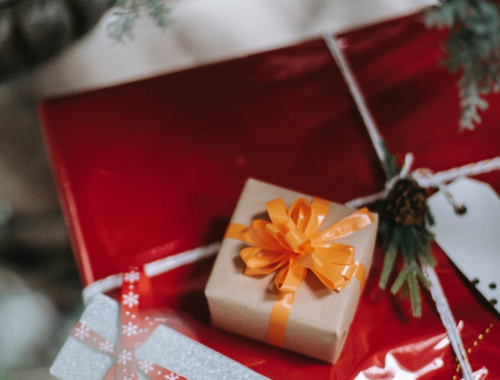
x=471 y=240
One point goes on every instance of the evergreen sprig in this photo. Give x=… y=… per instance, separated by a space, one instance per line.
x=473 y=50
x=128 y=12
x=413 y=243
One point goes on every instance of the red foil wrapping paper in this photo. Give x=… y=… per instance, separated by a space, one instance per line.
x=155 y=167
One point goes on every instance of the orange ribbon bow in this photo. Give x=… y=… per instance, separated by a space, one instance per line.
x=292 y=243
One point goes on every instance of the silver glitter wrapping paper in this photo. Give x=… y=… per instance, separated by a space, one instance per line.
x=191 y=359
x=76 y=361
x=166 y=347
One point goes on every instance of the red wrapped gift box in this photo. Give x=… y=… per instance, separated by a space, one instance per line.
x=153 y=168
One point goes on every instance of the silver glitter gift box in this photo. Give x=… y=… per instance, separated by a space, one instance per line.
x=165 y=347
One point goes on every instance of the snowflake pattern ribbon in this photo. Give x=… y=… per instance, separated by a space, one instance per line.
x=134 y=332
x=292 y=244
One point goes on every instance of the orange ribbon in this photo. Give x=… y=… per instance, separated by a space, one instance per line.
x=292 y=243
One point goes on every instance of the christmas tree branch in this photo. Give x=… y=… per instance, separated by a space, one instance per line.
x=414 y=244
x=405 y=220
x=473 y=49
x=389 y=260
x=129 y=11
x=416 y=303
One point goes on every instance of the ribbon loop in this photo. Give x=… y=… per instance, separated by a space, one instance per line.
x=291 y=244
x=346 y=226
x=277 y=212
x=289 y=278
x=298 y=242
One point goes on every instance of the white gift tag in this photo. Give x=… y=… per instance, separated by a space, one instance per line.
x=471 y=240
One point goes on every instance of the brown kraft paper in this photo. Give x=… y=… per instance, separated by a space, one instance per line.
x=319 y=318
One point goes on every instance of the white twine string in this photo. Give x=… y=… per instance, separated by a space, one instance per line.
x=339 y=57
x=151 y=269
x=481 y=167
x=367 y=200
x=378 y=143
x=362 y=201
x=447 y=318
x=426 y=178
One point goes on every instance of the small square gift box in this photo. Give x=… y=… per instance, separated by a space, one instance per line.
x=112 y=342
x=295 y=279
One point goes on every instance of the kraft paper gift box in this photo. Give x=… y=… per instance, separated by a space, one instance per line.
x=165 y=347
x=320 y=318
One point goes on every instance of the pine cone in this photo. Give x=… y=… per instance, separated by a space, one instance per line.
x=407 y=202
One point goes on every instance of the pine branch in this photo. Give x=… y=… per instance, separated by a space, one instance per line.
x=122 y=27
x=416 y=304
x=413 y=242
x=470 y=103
x=129 y=11
x=473 y=49
x=389 y=260
x=158 y=12
x=401 y=279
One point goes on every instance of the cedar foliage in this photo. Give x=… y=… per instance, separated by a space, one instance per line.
x=129 y=11
x=413 y=243
x=473 y=51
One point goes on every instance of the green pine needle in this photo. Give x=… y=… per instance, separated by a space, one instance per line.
x=390 y=258
x=122 y=27
x=471 y=103
x=408 y=282
x=158 y=12
x=416 y=304
x=401 y=279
